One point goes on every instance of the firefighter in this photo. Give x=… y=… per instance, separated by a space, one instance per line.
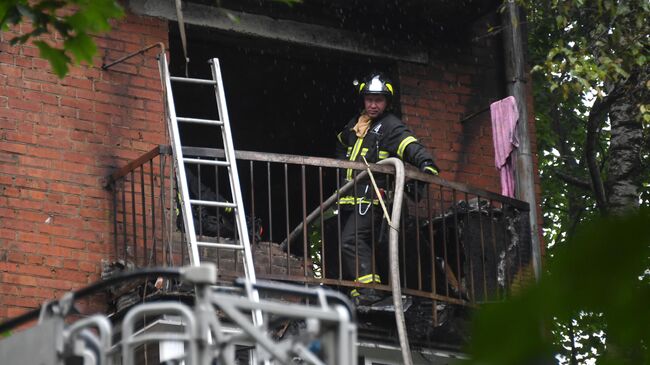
x=376 y=134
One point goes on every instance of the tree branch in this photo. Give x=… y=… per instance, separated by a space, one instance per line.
x=597 y=115
x=574 y=181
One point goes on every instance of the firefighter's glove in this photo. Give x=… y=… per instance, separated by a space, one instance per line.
x=429 y=167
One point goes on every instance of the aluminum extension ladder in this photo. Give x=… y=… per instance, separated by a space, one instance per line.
x=222 y=123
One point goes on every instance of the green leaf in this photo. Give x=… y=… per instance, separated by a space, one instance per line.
x=93 y=16
x=57 y=58
x=6 y=8
x=82 y=47
x=594 y=278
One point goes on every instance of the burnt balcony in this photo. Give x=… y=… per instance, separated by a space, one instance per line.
x=459 y=246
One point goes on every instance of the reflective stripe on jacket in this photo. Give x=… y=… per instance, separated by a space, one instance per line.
x=387 y=137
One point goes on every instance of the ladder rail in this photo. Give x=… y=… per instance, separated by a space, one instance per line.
x=179 y=165
x=229 y=150
x=223 y=122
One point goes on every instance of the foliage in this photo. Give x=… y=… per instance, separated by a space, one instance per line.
x=595 y=43
x=585 y=53
x=586 y=276
x=73 y=21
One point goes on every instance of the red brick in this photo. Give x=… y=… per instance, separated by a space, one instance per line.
x=12 y=114
x=69 y=243
x=34 y=259
x=53 y=261
x=17 y=257
x=18 y=225
x=40 y=75
x=39 y=97
x=57 y=283
x=35 y=270
x=90 y=267
x=43 y=152
x=78 y=83
x=22 y=301
x=10 y=70
x=14 y=311
x=7 y=233
x=37 y=292
x=56 y=230
x=72 y=275
x=58 y=89
x=33 y=237
x=24 y=204
x=19 y=279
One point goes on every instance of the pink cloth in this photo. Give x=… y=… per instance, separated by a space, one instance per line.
x=504 y=136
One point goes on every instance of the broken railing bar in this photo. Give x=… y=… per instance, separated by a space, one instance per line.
x=133 y=54
x=331 y=162
x=161 y=149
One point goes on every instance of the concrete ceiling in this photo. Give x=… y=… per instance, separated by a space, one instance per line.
x=413 y=19
x=392 y=29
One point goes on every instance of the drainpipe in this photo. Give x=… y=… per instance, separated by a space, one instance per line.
x=516 y=85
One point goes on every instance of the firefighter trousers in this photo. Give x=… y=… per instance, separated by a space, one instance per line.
x=361 y=227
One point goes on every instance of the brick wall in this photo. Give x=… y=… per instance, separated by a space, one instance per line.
x=59 y=139
x=463 y=77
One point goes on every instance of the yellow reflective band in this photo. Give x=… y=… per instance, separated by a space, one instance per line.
x=351 y=200
x=390 y=88
x=349 y=149
x=228 y=209
x=361 y=86
x=366 y=279
x=354 y=293
x=353 y=156
x=402 y=146
x=364 y=151
x=433 y=171
x=383 y=155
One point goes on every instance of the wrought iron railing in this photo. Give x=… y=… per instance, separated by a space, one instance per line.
x=458 y=244
x=142 y=200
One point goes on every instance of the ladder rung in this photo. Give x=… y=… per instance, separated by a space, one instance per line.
x=206 y=162
x=199 y=121
x=210 y=203
x=190 y=80
x=219 y=245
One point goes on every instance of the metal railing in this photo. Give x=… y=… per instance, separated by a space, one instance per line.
x=458 y=244
x=141 y=207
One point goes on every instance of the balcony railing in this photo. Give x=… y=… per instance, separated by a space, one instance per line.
x=458 y=244
x=141 y=209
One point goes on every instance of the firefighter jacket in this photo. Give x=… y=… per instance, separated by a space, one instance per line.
x=386 y=137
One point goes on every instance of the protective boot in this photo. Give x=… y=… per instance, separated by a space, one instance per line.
x=367 y=296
